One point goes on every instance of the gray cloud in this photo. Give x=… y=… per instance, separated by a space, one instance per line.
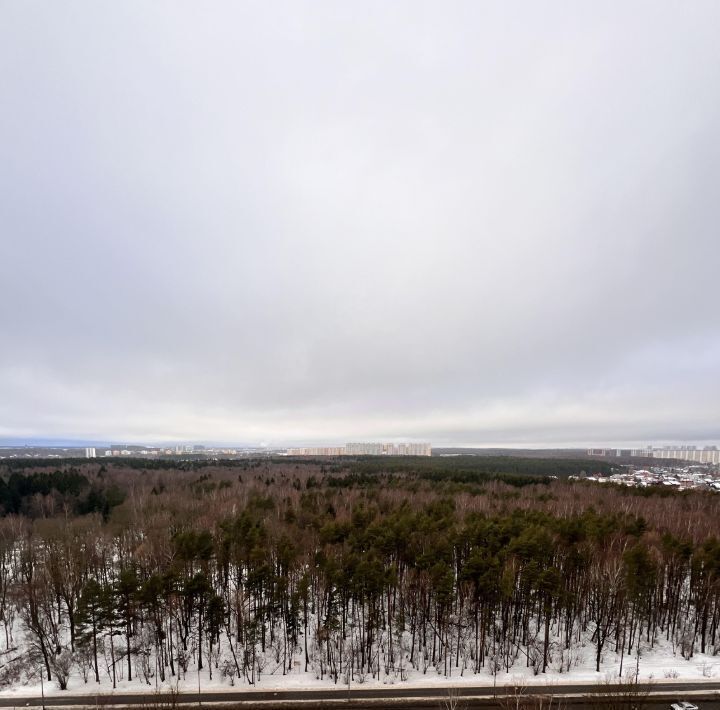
x=468 y=222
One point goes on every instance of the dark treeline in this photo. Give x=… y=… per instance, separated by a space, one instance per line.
x=488 y=466
x=20 y=493
x=479 y=466
x=346 y=569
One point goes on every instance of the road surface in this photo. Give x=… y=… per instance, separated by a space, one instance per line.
x=705 y=694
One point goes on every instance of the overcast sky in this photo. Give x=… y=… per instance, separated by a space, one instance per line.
x=463 y=222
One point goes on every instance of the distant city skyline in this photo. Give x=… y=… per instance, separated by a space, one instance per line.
x=102 y=445
x=476 y=224
x=366 y=448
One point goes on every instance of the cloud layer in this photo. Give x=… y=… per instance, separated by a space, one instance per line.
x=468 y=222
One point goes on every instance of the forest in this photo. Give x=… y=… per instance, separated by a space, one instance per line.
x=136 y=572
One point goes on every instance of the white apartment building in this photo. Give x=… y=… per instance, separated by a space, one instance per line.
x=706 y=455
x=365 y=449
x=317 y=451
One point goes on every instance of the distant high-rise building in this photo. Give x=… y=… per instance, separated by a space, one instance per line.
x=690 y=454
x=365 y=449
x=709 y=454
x=90 y=452
x=317 y=451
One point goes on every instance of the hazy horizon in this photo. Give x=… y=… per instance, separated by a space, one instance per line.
x=8 y=443
x=475 y=224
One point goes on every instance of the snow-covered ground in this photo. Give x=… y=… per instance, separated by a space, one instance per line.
x=658 y=665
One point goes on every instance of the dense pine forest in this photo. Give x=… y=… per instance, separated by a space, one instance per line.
x=138 y=571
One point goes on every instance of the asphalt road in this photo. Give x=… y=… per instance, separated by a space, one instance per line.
x=706 y=695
